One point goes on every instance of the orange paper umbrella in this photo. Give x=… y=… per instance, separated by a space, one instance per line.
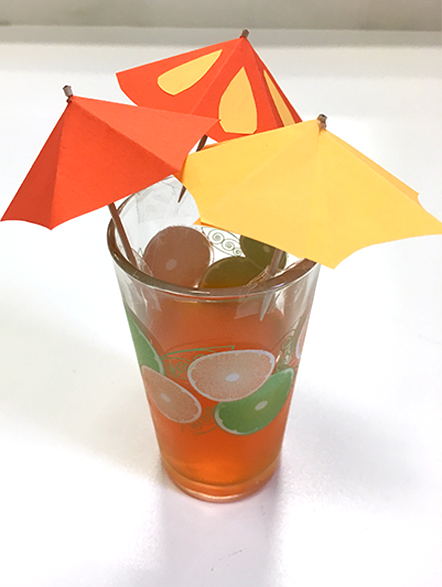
x=303 y=190
x=227 y=81
x=100 y=152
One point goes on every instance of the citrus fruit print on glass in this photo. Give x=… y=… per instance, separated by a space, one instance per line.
x=173 y=400
x=231 y=375
x=253 y=413
x=144 y=349
x=249 y=387
x=176 y=363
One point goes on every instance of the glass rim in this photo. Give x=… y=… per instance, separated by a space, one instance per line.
x=276 y=283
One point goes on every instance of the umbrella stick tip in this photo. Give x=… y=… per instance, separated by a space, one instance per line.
x=68 y=92
x=245 y=33
x=322 y=121
x=183 y=191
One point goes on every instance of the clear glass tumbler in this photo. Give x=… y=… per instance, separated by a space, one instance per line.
x=218 y=364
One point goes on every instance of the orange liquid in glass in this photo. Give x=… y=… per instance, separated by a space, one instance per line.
x=202 y=458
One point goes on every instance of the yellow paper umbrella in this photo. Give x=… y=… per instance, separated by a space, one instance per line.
x=303 y=190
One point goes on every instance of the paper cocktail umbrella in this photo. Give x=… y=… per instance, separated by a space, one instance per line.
x=227 y=81
x=100 y=152
x=305 y=191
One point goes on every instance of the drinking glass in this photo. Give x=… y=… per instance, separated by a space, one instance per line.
x=218 y=364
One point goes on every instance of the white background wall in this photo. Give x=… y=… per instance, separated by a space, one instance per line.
x=295 y=14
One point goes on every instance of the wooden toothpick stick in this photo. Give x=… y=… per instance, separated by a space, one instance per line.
x=122 y=234
x=199 y=147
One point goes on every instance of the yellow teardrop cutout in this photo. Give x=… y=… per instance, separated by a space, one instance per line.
x=187 y=74
x=237 y=108
x=281 y=106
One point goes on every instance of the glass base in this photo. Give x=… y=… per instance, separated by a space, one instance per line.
x=221 y=493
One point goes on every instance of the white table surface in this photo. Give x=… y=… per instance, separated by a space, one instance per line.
x=357 y=500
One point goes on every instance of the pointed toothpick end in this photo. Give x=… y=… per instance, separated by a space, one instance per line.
x=322 y=121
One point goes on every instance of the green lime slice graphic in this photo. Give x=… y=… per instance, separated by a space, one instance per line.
x=230 y=272
x=259 y=252
x=255 y=412
x=146 y=354
x=173 y=401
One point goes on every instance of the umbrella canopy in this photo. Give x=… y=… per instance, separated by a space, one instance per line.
x=305 y=191
x=100 y=152
x=227 y=81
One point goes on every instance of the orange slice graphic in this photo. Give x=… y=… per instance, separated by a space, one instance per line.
x=173 y=401
x=178 y=254
x=237 y=108
x=231 y=375
x=178 y=79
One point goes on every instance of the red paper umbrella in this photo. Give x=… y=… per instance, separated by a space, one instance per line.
x=227 y=81
x=100 y=152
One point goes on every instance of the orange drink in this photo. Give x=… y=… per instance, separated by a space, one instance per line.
x=218 y=365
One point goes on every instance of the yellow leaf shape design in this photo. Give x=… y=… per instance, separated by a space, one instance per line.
x=187 y=74
x=281 y=106
x=237 y=108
